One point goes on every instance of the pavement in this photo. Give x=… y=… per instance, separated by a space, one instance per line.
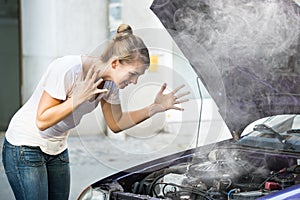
x=93 y=157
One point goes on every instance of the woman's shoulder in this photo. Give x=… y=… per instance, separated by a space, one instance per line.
x=69 y=59
x=62 y=69
x=65 y=63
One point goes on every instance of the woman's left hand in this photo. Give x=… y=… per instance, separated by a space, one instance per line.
x=168 y=101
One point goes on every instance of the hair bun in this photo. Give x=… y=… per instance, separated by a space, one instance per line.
x=124 y=28
x=123 y=31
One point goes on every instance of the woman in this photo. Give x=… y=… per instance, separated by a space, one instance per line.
x=35 y=154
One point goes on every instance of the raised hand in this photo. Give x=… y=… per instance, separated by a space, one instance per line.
x=168 y=101
x=87 y=89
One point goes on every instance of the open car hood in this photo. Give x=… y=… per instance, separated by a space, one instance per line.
x=246 y=52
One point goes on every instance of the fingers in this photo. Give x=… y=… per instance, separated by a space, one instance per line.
x=79 y=78
x=181 y=95
x=92 y=76
x=163 y=87
x=177 y=97
x=90 y=72
x=92 y=82
x=178 y=88
x=99 y=82
x=181 y=101
x=177 y=108
x=99 y=91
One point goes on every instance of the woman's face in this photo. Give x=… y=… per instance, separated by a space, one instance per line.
x=126 y=74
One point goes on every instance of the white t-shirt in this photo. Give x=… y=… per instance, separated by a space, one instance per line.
x=59 y=82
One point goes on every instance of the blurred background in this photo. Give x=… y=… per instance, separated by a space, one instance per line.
x=33 y=33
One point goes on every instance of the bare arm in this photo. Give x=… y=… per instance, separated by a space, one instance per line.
x=51 y=111
x=117 y=120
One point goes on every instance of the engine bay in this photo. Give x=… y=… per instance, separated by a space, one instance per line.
x=222 y=174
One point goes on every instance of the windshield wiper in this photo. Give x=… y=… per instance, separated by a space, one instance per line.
x=260 y=127
x=293 y=131
x=281 y=139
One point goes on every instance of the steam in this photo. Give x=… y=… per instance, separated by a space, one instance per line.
x=228 y=162
x=245 y=51
x=251 y=33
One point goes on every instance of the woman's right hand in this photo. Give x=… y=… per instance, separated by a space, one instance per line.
x=51 y=111
x=87 y=88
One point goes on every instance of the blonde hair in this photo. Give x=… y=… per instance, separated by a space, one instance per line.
x=128 y=47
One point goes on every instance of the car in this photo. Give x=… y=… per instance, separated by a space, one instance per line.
x=247 y=54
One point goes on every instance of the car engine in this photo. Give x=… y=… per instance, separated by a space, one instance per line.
x=222 y=174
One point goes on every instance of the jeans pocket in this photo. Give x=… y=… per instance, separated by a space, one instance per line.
x=64 y=156
x=31 y=156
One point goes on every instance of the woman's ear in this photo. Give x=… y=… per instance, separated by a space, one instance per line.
x=114 y=62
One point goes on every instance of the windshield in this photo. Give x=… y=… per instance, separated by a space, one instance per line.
x=281 y=132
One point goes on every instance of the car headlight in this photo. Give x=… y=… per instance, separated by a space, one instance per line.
x=93 y=194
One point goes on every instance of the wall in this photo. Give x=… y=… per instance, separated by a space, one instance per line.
x=53 y=28
x=10 y=89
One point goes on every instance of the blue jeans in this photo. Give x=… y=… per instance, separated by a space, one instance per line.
x=34 y=175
